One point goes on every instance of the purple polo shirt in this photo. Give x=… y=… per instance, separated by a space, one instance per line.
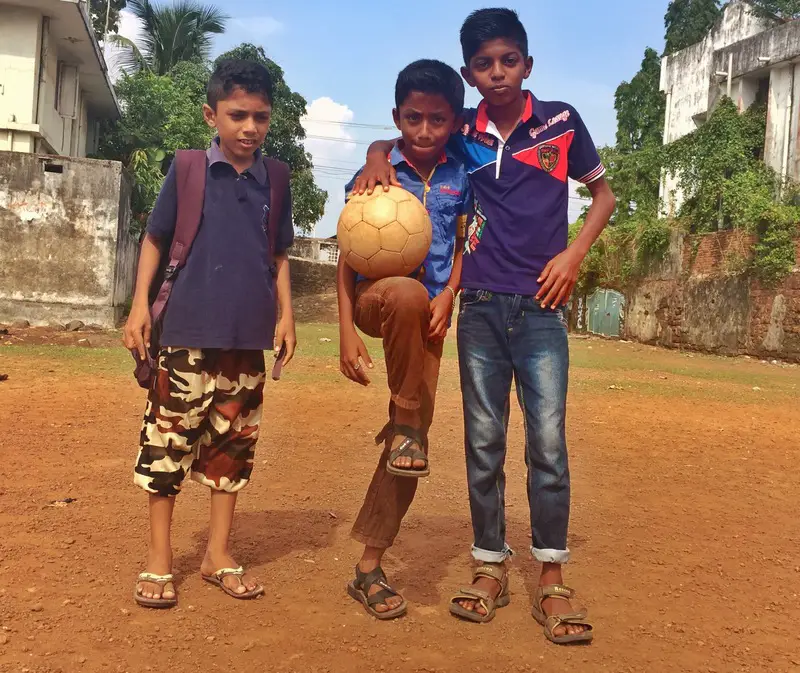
x=521 y=192
x=224 y=296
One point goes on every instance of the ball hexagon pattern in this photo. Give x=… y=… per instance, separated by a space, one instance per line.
x=386 y=234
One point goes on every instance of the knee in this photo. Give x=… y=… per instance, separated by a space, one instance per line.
x=408 y=300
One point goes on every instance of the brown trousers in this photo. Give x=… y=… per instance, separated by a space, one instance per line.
x=397 y=310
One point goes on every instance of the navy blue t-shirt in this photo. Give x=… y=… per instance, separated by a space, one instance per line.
x=521 y=192
x=224 y=296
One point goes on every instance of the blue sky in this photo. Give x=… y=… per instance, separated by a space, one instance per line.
x=344 y=61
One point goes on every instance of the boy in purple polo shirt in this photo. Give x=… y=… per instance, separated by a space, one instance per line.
x=204 y=409
x=518 y=272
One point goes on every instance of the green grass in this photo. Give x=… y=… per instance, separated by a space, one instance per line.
x=596 y=365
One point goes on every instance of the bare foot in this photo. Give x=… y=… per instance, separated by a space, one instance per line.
x=405 y=462
x=367 y=566
x=490 y=586
x=212 y=562
x=158 y=563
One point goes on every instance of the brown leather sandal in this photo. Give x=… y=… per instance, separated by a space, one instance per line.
x=552 y=622
x=359 y=590
x=493 y=571
x=410 y=447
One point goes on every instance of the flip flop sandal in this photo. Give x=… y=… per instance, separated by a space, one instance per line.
x=409 y=448
x=359 y=590
x=552 y=622
x=218 y=577
x=494 y=572
x=158 y=603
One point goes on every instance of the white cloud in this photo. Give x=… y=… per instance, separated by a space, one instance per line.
x=258 y=26
x=130 y=27
x=326 y=118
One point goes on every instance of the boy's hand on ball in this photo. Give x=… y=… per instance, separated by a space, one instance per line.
x=558 y=279
x=441 y=309
x=285 y=334
x=376 y=171
x=136 y=334
x=354 y=357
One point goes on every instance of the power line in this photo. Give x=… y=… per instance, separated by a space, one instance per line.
x=350 y=141
x=379 y=127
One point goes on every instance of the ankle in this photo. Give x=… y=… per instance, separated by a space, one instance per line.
x=551 y=574
x=370 y=559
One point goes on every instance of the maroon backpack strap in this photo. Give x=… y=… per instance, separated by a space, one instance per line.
x=190 y=179
x=278 y=188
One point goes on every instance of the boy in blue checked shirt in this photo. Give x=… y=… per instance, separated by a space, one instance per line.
x=411 y=315
x=518 y=272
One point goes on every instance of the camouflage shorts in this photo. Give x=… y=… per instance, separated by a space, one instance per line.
x=202 y=418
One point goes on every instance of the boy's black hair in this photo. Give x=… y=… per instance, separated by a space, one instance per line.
x=431 y=77
x=496 y=23
x=236 y=73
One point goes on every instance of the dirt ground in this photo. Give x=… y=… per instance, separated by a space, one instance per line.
x=685 y=528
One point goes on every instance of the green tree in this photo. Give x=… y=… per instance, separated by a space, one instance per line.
x=640 y=106
x=285 y=140
x=99 y=9
x=687 y=22
x=161 y=114
x=173 y=33
x=788 y=10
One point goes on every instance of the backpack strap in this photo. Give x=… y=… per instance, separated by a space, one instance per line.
x=278 y=186
x=190 y=178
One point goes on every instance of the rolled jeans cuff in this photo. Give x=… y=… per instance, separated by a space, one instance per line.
x=550 y=555
x=487 y=556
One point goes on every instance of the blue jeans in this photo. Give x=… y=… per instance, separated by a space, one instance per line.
x=500 y=337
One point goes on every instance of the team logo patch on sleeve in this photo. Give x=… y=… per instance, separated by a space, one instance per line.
x=549 y=156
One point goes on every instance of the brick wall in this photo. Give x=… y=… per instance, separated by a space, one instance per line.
x=706 y=303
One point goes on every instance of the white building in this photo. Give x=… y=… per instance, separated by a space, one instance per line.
x=54 y=84
x=750 y=59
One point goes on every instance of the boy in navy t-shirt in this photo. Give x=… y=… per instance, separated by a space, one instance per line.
x=411 y=315
x=204 y=409
x=518 y=272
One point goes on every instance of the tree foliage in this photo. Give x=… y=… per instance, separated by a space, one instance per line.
x=687 y=22
x=285 y=140
x=180 y=31
x=98 y=10
x=640 y=106
x=163 y=113
x=787 y=10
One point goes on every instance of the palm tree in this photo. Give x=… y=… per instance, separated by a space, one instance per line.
x=170 y=34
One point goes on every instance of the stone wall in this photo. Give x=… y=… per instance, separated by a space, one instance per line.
x=65 y=249
x=309 y=277
x=708 y=305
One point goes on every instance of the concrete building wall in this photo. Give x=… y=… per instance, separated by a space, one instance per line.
x=65 y=249
x=692 y=88
x=32 y=54
x=19 y=49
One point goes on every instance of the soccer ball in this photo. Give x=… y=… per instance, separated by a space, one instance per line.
x=385 y=234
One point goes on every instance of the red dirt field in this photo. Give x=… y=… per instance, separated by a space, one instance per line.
x=685 y=528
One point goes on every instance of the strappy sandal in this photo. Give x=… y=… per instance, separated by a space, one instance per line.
x=359 y=590
x=408 y=448
x=494 y=572
x=161 y=581
x=552 y=622
x=218 y=577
